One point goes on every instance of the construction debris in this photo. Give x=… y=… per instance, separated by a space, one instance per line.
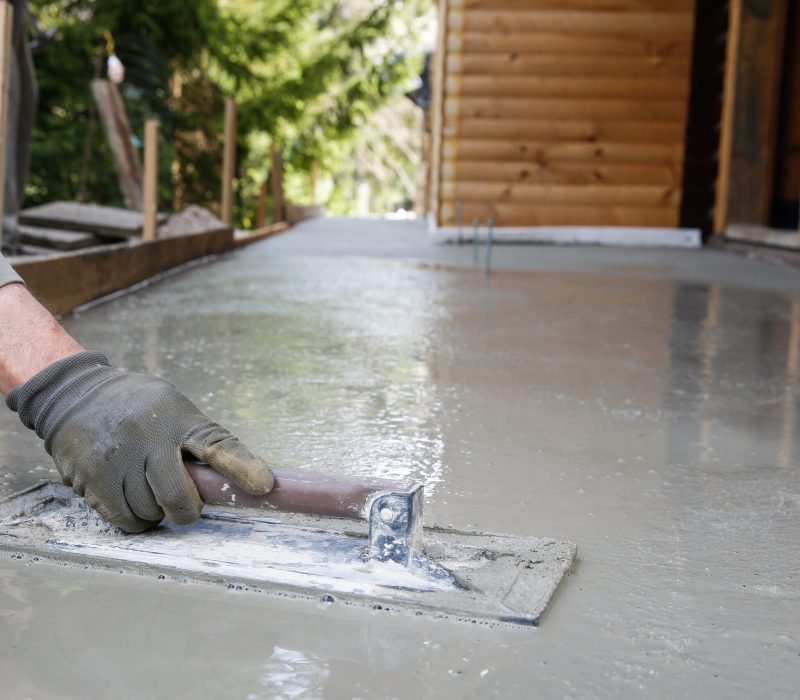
x=193 y=219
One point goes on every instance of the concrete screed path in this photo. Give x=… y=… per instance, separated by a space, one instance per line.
x=642 y=404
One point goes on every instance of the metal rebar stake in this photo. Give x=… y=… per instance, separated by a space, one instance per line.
x=475 y=226
x=489 y=240
x=459 y=221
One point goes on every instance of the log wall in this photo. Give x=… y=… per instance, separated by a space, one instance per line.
x=561 y=112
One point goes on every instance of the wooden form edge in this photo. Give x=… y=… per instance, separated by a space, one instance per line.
x=243 y=238
x=73 y=279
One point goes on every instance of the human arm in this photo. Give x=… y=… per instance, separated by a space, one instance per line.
x=116 y=437
x=31 y=338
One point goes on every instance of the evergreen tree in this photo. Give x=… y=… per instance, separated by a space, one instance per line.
x=306 y=75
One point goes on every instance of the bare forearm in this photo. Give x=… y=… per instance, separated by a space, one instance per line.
x=30 y=338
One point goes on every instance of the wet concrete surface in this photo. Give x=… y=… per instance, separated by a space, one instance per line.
x=642 y=404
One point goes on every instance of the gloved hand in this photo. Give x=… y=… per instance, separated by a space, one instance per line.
x=117 y=438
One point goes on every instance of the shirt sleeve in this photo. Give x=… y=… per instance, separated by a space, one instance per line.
x=7 y=274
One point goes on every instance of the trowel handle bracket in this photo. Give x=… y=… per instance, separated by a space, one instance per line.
x=395 y=526
x=393 y=508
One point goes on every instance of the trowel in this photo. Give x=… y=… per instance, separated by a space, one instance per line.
x=329 y=538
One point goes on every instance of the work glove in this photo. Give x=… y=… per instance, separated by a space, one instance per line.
x=117 y=439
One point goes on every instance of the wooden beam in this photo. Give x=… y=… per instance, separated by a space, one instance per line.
x=574 y=173
x=57 y=238
x=6 y=22
x=595 y=5
x=71 y=279
x=571 y=44
x=789 y=148
x=261 y=213
x=568 y=130
x=601 y=195
x=439 y=70
x=658 y=87
x=701 y=148
x=109 y=222
x=633 y=109
x=150 y=179
x=673 y=25
x=228 y=162
x=507 y=149
x=120 y=141
x=750 y=112
x=512 y=63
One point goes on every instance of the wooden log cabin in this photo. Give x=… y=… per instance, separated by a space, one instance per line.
x=560 y=117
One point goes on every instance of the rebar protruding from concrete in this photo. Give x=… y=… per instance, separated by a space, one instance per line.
x=475 y=226
x=489 y=238
x=459 y=220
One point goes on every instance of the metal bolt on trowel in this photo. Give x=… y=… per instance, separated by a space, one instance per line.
x=386 y=515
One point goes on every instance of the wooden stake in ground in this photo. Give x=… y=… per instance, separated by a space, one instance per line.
x=261 y=215
x=229 y=162
x=150 y=179
x=6 y=20
x=276 y=178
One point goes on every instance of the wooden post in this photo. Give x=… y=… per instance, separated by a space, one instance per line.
x=750 y=112
x=439 y=76
x=150 y=179
x=229 y=161
x=261 y=215
x=6 y=20
x=276 y=178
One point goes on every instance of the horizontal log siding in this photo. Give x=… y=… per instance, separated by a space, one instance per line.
x=564 y=112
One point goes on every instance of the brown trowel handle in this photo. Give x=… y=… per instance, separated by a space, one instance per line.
x=297 y=492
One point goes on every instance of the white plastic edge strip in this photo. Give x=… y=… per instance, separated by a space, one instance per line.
x=582 y=235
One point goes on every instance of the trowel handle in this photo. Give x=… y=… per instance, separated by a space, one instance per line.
x=299 y=492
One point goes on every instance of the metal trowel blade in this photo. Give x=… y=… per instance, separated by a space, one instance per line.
x=476 y=577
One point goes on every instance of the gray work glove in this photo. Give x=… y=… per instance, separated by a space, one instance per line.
x=117 y=438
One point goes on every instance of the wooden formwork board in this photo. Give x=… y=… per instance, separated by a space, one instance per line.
x=112 y=222
x=66 y=281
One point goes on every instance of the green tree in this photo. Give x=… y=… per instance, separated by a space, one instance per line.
x=307 y=74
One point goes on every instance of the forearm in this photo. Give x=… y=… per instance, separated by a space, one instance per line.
x=30 y=338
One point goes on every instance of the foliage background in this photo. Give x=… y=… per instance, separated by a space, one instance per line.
x=323 y=80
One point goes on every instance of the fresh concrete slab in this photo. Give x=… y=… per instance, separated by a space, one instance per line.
x=642 y=404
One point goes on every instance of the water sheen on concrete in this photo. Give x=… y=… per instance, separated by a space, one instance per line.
x=640 y=403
